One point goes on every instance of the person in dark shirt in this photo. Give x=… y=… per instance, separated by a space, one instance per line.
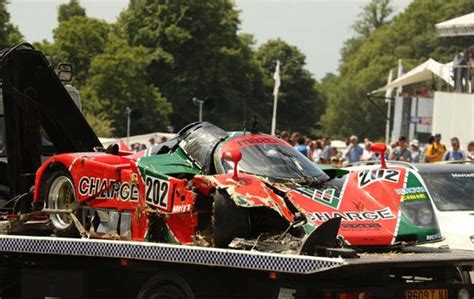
x=302 y=147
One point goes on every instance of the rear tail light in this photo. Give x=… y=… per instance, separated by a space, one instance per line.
x=354 y=295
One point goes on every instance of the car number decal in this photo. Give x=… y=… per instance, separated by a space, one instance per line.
x=366 y=177
x=156 y=191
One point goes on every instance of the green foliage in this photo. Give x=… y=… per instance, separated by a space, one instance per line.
x=101 y=125
x=299 y=105
x=160 y=51
x=117 y=81
x=410 y=37
x=197 y=53
x=373 y=16
x=9 y=33
x=69 y=10
x=77 y=40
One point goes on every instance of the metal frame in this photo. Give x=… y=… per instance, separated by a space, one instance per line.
x=169 y=253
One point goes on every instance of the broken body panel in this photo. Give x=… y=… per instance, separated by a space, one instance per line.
x=170 y=193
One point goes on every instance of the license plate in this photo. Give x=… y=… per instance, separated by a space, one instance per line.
x=427 y=294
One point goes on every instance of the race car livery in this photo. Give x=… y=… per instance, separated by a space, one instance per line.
x=213 y=188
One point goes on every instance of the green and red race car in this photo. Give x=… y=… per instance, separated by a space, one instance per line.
x=242 y=190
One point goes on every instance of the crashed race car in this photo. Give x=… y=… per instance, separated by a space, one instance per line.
x=242 y=190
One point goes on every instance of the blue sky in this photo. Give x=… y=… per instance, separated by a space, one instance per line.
x=317 y=27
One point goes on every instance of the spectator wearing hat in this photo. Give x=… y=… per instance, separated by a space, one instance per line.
x=456 y=153
x=401 y=152
x=415 y=151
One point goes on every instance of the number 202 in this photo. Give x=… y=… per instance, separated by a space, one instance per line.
x=157 y=192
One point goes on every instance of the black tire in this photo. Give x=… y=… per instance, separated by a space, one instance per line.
x=230 y=221
x=60 y=178
x=165 y=286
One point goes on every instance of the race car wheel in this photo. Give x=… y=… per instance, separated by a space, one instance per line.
x=60 y=195
x=230 y=221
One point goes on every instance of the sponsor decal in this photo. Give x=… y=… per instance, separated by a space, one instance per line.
x=414 y=196
x=361 y=225
x=156 y=191
x=412 y=193
x=108 y=189
x=327 y=197
x=412 y=190
x=433 y=237
x=181 y=209
x=383 y=214
x=260 y=140
x=462 y=175
x=367 y=177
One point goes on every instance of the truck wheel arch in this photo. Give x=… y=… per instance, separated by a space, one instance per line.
x=166 y=285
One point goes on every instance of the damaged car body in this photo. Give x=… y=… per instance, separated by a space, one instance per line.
x=205 y=187
x=242 y=190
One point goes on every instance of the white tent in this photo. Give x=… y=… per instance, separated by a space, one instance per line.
x=143 y=139
x=460 y=26
x=423 y=72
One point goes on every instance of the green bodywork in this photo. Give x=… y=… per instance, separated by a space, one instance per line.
x=165 y=165
x=406 y=226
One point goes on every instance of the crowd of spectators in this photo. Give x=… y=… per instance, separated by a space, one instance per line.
x=136 y=147
x=321 y=151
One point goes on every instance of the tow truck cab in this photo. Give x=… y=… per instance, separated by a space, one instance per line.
x=39 y=116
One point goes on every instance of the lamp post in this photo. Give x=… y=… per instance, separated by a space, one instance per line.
x=199 y=103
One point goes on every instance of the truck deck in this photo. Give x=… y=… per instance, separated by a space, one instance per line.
x=215 y=257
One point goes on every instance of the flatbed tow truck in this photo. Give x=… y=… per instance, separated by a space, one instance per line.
x=38 y=266
x=33 y=263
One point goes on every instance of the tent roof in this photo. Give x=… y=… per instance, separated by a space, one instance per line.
x=423 y=72
x=460 y=26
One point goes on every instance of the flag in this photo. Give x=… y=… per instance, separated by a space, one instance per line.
x=388 y=93
x=400 y=73
x=276 y=77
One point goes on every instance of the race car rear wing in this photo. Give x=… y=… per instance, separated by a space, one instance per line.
x=37 y=110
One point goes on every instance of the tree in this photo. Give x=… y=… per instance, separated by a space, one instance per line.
x=196 y=53
x=9 y=33
x=77 y=40
x=411 y=37
x=117 y=81
x=101 y=125
x=69 y=10
x=299 y=105
x=374 y=15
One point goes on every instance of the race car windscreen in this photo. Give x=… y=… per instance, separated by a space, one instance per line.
x=451 y=191
x=276 y=161
x=200 y=141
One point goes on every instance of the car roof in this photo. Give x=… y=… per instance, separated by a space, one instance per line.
x=444 y=167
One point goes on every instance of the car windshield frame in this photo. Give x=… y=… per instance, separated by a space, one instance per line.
x=451 y=191
x=286 y=162
x=199 y=143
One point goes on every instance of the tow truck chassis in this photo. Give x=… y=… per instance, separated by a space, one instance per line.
x=207 y=270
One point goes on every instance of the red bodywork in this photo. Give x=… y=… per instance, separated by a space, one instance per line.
x=371 y=212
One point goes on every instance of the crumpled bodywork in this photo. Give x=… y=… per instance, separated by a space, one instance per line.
x=247 y=192
x=173 y=196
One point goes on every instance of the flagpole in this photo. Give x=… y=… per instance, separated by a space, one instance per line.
x=387 y=124
x=275 y=103
x=276 y=77
x=388 y=100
